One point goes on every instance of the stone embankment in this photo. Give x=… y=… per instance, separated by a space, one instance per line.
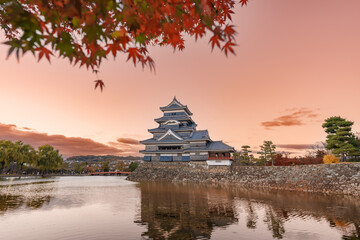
x=343 y=178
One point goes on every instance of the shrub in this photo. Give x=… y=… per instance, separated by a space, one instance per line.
x=330 y=159
x=280 y=160
x=133 y=166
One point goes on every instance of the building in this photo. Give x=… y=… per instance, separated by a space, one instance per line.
x=177 y=140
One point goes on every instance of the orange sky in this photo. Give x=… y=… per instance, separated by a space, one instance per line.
x=297 y=63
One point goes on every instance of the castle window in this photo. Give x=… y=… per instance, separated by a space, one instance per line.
x=170 y=147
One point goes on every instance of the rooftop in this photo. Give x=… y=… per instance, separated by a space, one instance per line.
x=175 y=105
x=172 y=127
x=199 y=135
x=178 y=118
x=219 y=146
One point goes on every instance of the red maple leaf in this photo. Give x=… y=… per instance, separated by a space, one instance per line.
x=134 y=54
x=44 y=51
x=243 y=2
x=228 y=48
x=229 y=31
x=215 y=41
x=99 y=83
x=113 y=47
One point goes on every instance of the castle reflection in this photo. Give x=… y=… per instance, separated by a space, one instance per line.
x=188 y=211
x=183 y=212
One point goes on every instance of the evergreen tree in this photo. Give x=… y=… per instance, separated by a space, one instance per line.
x=268 y=152
x=245 y=152
x=133 y=166
x=106 y=166
x=340 y=139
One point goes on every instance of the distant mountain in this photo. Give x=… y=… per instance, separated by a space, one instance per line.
x=92 y=158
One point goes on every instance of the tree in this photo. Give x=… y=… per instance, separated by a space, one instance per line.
x=79 y=167
x=330 y=159
x=26 y=154
x=49 y=158
x=88 y=31
x=6 y=153
x=64 y=167
x=105 y=166
x=133 y=166
x=340 y=139
x=120 y=166
x=268 y=152
x=245 y=153
x=14 y=156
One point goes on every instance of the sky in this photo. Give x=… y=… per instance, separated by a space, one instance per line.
x=297 y=63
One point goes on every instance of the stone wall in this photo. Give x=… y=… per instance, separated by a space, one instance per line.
x=343 y=178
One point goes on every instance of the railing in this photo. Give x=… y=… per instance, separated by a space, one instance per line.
x=220 y=158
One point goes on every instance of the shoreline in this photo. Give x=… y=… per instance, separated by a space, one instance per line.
x=342 y=179
x=40 y=176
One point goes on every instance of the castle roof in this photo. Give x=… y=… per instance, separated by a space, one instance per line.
x=178 y=118
x=219 y=146
x=199 y=135
x=176 y=128
x=169 y=137
x=175 y=105
x=166 y=140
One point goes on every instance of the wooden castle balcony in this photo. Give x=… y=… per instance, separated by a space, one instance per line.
x=220 y=158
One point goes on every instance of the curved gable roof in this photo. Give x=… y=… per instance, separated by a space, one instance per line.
x=170 y=135
x=175 y=105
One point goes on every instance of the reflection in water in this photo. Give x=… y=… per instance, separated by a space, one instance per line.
x=106 y=207
x=30 y=195
x=251 y=216
x=10 y=202
x=180 y=212
x=38 y=202
x=186 y=211
x=274 y=222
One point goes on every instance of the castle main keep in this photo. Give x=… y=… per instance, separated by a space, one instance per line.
x=176 y=139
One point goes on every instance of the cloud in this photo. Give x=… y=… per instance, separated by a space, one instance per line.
x=128 y=145
x=296 y=146
x=298 y=117
x=68 y=146
x=129 y=141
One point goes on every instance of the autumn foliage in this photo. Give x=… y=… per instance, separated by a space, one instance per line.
x=281 y=160
x=88 y=31
x=331 y=159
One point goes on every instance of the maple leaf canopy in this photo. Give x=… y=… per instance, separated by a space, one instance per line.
x=88 y=31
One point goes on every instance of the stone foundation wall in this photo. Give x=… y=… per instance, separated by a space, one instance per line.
x=343 y=178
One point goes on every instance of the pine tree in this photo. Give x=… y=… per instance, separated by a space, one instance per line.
x=340 y=139
x=245 y=153
x=268 y=151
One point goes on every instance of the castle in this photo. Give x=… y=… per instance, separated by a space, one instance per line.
x=177 y=140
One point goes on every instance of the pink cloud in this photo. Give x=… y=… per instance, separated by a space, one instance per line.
x=296 y=146
x=68 y=146
x=296 y=118
x=129 y=141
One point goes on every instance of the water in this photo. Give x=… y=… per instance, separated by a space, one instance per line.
x=103 y=207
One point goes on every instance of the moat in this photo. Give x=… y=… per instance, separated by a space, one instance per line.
x=103 y=207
